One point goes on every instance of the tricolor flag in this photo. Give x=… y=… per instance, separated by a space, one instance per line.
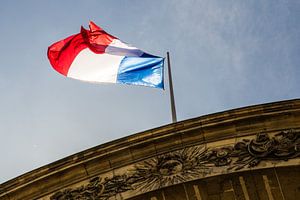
x=96 y=56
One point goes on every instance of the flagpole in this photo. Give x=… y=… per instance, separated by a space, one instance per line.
x=172 y=100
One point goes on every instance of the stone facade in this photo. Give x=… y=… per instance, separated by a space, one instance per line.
x=246 y=153
x=275 y=183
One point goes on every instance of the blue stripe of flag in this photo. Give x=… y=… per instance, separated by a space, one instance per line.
x=146 y=70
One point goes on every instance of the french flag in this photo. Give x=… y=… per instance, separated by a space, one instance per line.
x=96 y=56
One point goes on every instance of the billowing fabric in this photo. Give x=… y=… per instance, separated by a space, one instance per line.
x=96 y=56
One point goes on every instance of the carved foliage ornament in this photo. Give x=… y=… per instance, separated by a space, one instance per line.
x=189 y=164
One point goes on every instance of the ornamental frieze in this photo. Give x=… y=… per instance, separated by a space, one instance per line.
x=189 y=164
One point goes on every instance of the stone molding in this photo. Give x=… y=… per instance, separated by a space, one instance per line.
x=189 y=164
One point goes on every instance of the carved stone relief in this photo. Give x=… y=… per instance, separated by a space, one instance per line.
x=189 y=164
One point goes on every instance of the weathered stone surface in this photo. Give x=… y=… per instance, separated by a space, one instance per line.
x=253 y=185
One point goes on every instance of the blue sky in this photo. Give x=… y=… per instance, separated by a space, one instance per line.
x=224 y=55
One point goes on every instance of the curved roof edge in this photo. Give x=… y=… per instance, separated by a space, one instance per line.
x=244 y=121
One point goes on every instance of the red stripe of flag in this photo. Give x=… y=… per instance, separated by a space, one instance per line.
x=61 y=54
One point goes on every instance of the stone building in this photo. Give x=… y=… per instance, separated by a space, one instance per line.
x=246 y=153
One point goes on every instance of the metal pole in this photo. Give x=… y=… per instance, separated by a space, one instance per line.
x=172 y=100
